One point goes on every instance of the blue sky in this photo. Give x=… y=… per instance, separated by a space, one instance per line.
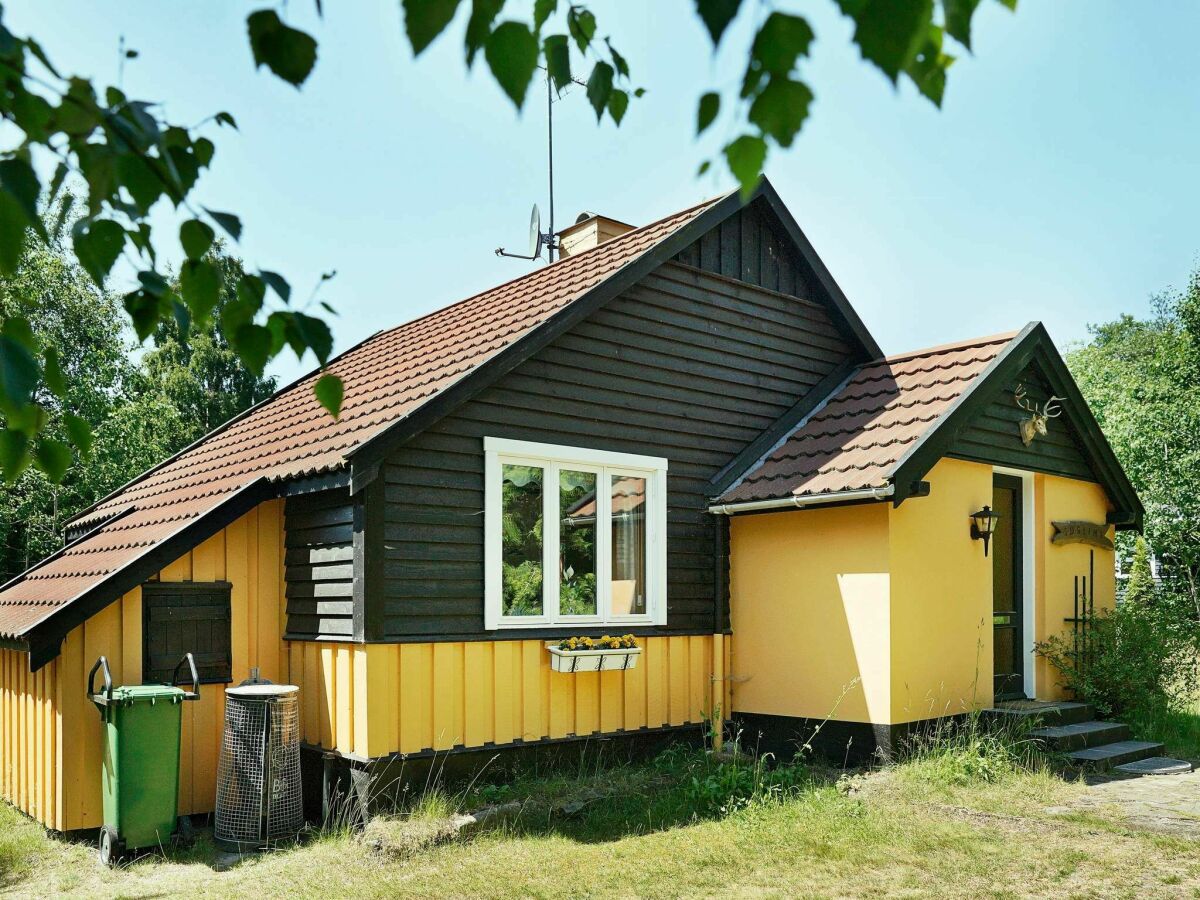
x=1059 y=181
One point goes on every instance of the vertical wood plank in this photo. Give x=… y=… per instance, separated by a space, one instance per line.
x=208 y=564
x=179 y=570
x=344 y=717
x=270 y=561
x=531 y=691
x=502 y=678
x=237 y=567
x=131 y=635
x=308 y=692
x=699 y=659
x=37 y=810
x=634 y=686
x=587 y=702
x=562 y=704
x=677 y=692
x=612 y=701
x=281 y=585
x=5 y=724
x=479 y=694
x=654 y=659
x=447 y=695
x=75 y=738
x=362 y=717
x=329 y=707
x=416 y=710
x=52 y=749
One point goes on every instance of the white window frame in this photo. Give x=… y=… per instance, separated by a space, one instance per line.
x=551 y=458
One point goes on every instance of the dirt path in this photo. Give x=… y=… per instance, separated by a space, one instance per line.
x=1166 y=803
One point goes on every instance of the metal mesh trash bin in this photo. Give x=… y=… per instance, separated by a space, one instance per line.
x=258 y=778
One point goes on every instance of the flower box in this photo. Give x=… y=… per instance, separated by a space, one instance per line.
x=570 y=661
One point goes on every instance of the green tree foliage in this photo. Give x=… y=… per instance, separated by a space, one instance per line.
x=128 y=161
x=904 y=39
x=1140 y=378
x=200 y=375
x=127 y=414
x=1140 y=663
x=1139 y=589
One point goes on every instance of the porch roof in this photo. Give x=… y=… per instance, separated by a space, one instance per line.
x=856 y=438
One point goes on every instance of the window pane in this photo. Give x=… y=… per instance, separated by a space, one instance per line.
x=521 y=528
x=577 y=543
x=628 y=545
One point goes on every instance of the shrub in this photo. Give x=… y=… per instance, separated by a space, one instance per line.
x=1141 y=660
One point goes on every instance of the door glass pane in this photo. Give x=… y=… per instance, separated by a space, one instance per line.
x=521 y=539
x=628 y=545
x=577 y=543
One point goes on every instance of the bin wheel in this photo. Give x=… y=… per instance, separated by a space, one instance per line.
x=110 y=846
x=185 y=832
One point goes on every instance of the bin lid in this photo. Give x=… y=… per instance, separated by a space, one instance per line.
x=263 y=691
x=134 y=693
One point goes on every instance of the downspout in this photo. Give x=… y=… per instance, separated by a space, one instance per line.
x=793 y=502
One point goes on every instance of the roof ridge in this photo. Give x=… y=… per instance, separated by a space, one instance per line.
x=607 y=245
x=1001 y=337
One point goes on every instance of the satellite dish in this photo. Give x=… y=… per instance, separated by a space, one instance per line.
x=535 y=232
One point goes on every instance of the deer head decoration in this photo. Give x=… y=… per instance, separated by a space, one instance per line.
x=1039 y=415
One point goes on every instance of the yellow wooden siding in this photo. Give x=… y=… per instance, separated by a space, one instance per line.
x=387 y=698
x=249 y=555
x=368 y=700
x=29 y=736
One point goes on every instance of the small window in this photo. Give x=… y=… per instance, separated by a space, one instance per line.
x=573 y=536
x=186 y=617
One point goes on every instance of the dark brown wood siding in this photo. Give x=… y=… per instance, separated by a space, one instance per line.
x=685 y=365
x=320 y=565
x=751 y=247
x=994 y=435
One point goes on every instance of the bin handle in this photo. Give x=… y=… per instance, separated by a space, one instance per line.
x=194 y=693
x=101 y=663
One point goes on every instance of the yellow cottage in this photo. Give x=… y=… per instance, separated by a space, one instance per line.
x=681 y=432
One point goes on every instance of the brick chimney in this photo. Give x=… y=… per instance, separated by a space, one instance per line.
x=589 y=230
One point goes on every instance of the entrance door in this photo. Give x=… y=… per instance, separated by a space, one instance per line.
x=1007 y=584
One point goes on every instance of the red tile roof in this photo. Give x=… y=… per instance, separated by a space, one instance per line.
x=386 y=377
x=855 y=440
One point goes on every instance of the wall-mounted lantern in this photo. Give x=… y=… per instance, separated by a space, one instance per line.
x=983 y=523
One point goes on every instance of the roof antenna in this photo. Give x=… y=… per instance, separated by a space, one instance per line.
x=537 y=237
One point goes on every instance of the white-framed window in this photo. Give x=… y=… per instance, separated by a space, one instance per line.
x=573 y=536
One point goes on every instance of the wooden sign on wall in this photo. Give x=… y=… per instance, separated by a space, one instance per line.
x=1093 y=533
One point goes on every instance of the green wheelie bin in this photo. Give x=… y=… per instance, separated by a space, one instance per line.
x=140 y=779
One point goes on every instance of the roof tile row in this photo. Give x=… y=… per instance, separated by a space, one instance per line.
x=854 y=440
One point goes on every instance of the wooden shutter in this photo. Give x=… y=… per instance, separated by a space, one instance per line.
x=186 y=617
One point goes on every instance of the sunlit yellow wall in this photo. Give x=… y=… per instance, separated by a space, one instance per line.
x=941 y=637
x=878 y=614
x=378 y=699
x=1059 y=499
x=249 y=555
x=810 y=611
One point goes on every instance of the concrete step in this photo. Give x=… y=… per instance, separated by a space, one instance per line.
x=1042 y=712
x=1155 y=765
x=1080 y=735
x=1107 y=756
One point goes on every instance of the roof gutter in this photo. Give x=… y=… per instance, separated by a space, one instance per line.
x=793 y=502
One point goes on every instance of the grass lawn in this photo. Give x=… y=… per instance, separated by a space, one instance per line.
x=941 y=825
